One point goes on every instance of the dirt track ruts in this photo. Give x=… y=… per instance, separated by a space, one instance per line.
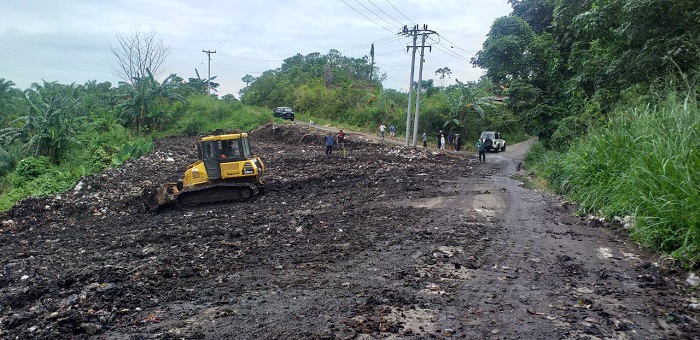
x=387 y=242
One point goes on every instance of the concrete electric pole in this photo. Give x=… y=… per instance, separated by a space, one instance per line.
x=209 y=52
x=424 y=32
x=410 y=83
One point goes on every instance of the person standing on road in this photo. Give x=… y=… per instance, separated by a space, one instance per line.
x=329 y=143
x=481 y=146
x=392 y=131
x=442 y=141
x=382 y=128
x=458 y=142
x=438 y=140
x=425 y=140
x=340 y=139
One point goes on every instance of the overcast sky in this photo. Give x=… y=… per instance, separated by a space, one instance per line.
x=68 y=41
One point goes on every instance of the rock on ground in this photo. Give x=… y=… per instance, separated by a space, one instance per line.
x=388 y=242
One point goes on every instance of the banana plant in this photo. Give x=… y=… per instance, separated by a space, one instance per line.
x=50 y=124
x=142 y=107
x=134 y=149
x=464 y=99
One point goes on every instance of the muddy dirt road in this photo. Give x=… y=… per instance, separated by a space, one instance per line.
x=384 y=243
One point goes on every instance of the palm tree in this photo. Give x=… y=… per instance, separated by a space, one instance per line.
x=6 y=101
x=5 y=85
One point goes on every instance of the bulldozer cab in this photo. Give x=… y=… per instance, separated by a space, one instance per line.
x=226 y=170
x=220 y=149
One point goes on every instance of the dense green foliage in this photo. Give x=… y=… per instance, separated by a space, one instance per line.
x=339 y=89
x=326 y=85
x=584 y=75
x=643 y=162
x=557 y=59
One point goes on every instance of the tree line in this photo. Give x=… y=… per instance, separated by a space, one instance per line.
x=565 y=64
x=342 y=89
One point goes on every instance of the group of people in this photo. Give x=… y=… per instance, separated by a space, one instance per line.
x=444 y=141
x=338 y=139
x=449 y=141
x=454 y=142
x=382 y=129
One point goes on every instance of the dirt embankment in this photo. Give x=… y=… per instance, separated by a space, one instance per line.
x=387 y=242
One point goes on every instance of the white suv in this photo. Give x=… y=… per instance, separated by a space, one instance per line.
x=493 y=140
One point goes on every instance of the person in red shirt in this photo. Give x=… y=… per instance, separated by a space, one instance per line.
x=340 y=139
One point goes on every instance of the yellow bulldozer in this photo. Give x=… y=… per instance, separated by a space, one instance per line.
x=227 y=170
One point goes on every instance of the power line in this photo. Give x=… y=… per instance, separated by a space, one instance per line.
x=358 y=12
x=377 y=15
x=387 y=1
x=382 y=41
x=455 y=45
x=228 y=68
x=385 y=13
x=381 y=55
x=448 y=52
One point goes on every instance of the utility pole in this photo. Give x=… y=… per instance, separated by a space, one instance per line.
x=371 y=71
x=209 y=52
x=424 y=32
x=418 y=90
x=410 y=83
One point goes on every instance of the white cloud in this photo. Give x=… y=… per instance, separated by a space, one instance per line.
x=69 y=41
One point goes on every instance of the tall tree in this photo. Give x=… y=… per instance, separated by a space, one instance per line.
x=247 y=79
x=138 y=54
x=443 y=72
x=505 y=52
x=537 y=13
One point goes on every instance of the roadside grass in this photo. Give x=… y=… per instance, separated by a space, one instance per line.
x=643 y=163
x=206 y=114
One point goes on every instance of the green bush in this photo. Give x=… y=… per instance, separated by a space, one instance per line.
x=30 y=168
x=206 y=114
x=644 y=163
x=51 y=181
x=135 y=149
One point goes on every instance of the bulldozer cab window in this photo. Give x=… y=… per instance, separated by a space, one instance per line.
x=209 y=151
x=230 y=149
x=225 y=146
x=245 y=148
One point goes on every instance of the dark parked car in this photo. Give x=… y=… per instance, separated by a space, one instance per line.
x=283 y=112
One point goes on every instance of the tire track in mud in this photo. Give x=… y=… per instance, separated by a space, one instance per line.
x=384 y=243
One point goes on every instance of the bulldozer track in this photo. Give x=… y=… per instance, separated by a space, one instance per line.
x=217 y=193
